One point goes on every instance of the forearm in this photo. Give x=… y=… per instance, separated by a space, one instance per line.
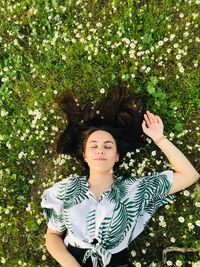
x=177 y=159
x=59 y=252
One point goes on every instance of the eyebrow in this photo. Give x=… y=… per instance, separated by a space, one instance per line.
x=104 y=142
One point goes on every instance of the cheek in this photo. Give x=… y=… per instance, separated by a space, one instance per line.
x=113 y=155
x=89 y=152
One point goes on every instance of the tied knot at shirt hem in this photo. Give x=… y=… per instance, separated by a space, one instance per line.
x=97 y=252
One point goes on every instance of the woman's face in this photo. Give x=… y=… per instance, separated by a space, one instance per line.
x=101 y=151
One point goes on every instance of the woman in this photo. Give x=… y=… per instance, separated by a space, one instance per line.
x=99 y=215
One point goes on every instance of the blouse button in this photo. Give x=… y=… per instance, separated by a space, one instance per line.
x=94 y=242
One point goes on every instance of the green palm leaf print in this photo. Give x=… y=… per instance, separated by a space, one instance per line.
x=120 y=189
x=75 y=192
x=113 y=230
x=91 y=223
x=151 y=193
x=57 y=219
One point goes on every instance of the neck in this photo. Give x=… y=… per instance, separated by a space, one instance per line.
x=100 y=180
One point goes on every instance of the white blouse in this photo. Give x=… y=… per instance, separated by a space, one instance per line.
x=116 y=219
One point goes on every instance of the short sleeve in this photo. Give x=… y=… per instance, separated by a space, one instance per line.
x=52 y=205
x=152 y=192
x=163 y=183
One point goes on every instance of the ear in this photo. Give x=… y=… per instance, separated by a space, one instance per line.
x=117 y=157
x=84 y=155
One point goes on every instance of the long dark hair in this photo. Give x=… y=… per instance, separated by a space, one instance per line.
x=120 y=113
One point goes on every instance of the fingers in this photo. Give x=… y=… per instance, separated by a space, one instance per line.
x=159 y=119
x=147 y=120
x=144 y=125
x=151 y=118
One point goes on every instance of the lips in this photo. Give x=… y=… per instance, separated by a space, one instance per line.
x=101 y=159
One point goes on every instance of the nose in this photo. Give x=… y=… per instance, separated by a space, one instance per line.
x=100 y=152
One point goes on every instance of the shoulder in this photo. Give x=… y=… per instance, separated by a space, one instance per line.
x=60 y=186
x=156 y=182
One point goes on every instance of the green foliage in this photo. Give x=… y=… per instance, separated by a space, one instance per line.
x=153 y=46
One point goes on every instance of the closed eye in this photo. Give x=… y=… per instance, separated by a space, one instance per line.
x=107 y=147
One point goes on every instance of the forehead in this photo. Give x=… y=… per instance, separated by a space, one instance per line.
x=100 y=136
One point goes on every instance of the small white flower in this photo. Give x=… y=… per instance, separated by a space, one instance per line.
x=15 y=42
x=132 y=45
x=7 y=211
x=186 y=193
x=197 y=204
x=133 y=253
x=161 y=218
x=197 y=223
x=128 y=154
x=4 y=113
x=169 y=263
x=181 y=219
x=148 y=70
x=102 y=91
x=173 y=240
x=3 y=260
x=172 y=36
x=178 y=263
x=181 y=69
x=144 y=251
x=163 y=224
x=190 y=226
x=99 y=24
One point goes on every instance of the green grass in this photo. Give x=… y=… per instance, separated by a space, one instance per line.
x=153 y=46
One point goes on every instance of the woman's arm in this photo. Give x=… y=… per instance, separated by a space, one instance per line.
x=184 y=172
x=58 y=250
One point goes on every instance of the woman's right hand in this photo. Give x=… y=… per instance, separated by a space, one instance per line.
x=152 y=126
